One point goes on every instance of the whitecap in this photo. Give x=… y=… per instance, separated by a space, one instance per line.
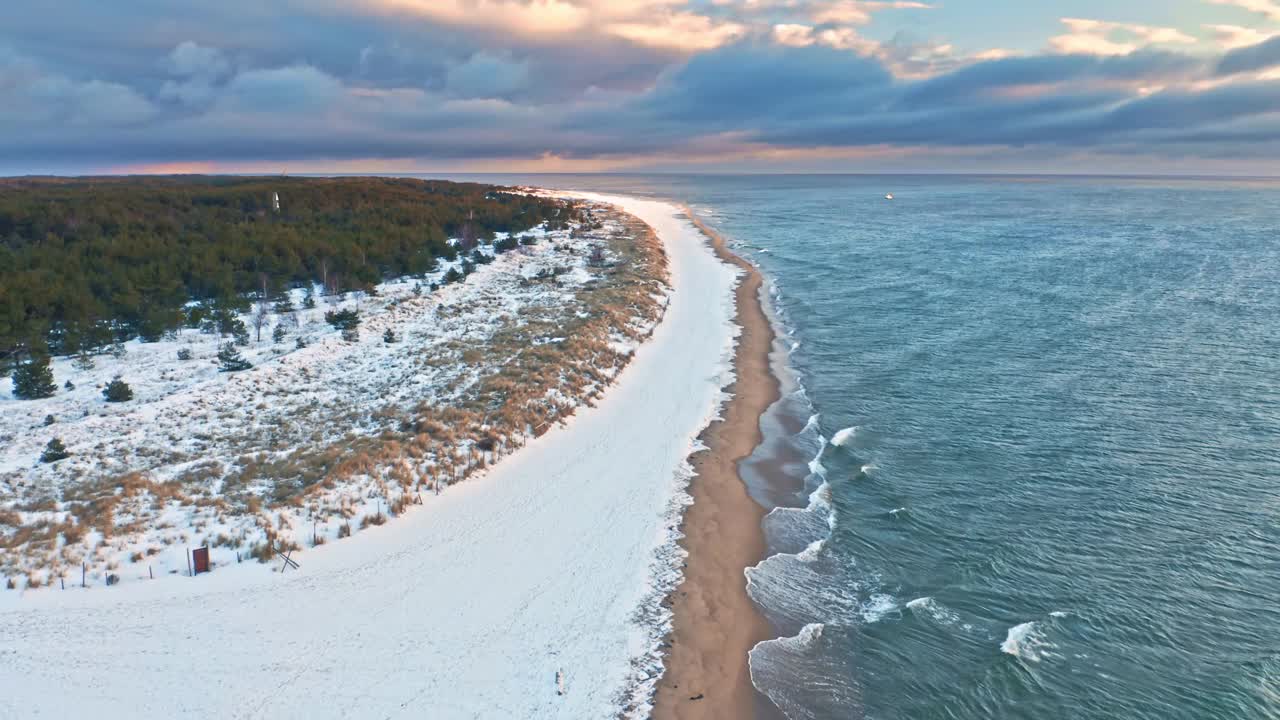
x=843 y=437
x=1025 y=641
x=877 y=606
x=932 y=609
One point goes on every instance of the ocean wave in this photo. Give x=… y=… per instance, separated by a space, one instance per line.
x=877 y=607
x=1026 y=641
x=802 y=687
x=844 y=437
x=930 y=609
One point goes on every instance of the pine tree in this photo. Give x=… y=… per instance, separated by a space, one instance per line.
x=277 y=335
x=389 y=336
x=117 y=391
x=230 y=359
x=33 y=379
x=300 y=343
x=54 y=451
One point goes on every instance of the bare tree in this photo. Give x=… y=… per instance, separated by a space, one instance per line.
x=263 y=311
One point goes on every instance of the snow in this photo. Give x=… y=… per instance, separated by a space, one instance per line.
x=467 y=606
x=208 y=431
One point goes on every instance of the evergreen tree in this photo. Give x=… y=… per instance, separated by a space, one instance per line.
x=301 y=343
x=230 y=359
x=277 y=335
x=309 y=302
x=117 y=391
x=389 y=336
x=33 y=379
x=54 y=451
x=184 y=354
x=343 y=319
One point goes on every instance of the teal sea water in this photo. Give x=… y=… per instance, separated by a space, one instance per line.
x=1028 y=464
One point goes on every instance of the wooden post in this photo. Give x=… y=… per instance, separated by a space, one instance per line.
x=189 y=572
x=83 y=568
x=63 y=582
x=151 y=572
x=313 y=532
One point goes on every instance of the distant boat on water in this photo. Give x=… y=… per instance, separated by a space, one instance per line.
x=889 y=196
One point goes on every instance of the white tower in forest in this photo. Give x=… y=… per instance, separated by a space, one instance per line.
x=275 y=202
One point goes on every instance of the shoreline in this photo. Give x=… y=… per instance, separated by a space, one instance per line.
x=715 y=624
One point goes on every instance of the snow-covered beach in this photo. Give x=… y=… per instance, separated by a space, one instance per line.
x=556 y=560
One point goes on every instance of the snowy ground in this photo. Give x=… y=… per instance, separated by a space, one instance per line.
x=467 y=606
x=312 y=443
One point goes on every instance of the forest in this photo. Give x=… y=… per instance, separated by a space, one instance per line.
x=88 y=262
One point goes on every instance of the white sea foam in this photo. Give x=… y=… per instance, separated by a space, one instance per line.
x=1025 y=641
x=845 y=436
x=877 y=606
x=933 y=610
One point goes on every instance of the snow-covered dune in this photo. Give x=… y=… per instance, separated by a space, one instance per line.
x=465 y=608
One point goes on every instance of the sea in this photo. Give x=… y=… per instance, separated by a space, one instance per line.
x=1027 y=459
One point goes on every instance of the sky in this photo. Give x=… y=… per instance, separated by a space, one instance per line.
x=452 y=86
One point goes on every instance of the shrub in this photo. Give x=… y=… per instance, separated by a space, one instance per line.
x=389 y=336
x=480 y=258
x=69 y=385
x=54 y=451
x=452 y=276
x=300 y=343
x=505 y=244
x=48 y=420
x=277 y=335
x=117 y=391
x=528 y=240
x=351 y=334
x=230 y=359
x=184 y=354
x=33 y=379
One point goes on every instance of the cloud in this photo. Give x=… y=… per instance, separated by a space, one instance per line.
x=191 y=60
x=36 y=97
x=1236 y=36
x=485 y=75
x=297 y=88
x=1249 y=59
x=594 y=82
x=1101 y=37
x=1270 y=9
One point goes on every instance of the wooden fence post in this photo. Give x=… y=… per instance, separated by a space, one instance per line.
x=83 y=569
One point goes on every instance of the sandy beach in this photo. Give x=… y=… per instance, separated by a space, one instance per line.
x=715 y=624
